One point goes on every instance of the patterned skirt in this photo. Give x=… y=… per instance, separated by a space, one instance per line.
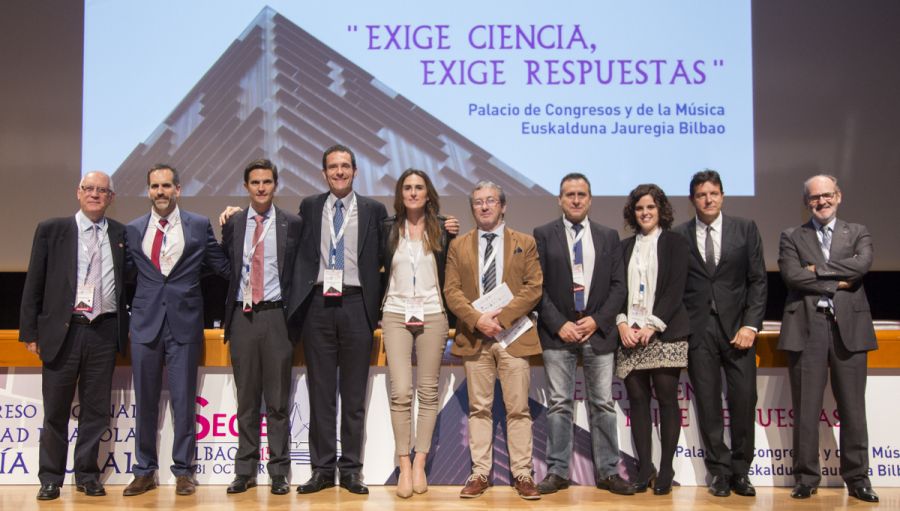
x=652 y=356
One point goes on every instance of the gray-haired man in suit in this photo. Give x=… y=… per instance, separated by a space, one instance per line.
x=827 y=328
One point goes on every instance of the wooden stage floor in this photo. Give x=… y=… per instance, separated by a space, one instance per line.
x=438 y=498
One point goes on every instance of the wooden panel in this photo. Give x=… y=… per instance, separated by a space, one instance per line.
x=216 y=354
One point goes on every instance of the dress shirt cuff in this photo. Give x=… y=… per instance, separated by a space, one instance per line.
x=656 y=323
x=755 y=330
x=621 y=318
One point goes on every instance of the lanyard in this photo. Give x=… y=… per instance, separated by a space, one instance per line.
x=413 y=257
x=336 y=237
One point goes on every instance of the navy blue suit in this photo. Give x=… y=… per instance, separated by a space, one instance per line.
x=167 y=329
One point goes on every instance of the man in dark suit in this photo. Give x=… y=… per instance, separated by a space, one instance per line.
x=337 y=293
x=726 y=299
x=584 y=289
x=485 y=258
x=73 y=316
x=261 y=244
x=827 y=329
x=168 y=248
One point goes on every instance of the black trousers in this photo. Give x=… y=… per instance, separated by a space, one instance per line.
x=809 y=369
x=337 y=344
x=710 y=353
x=86 y=362
x=261 y=357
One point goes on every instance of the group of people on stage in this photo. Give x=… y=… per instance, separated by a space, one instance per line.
x=670 y=297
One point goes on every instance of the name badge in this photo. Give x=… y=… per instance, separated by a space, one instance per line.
x=84 y=298
x=247 y=291
x=578 y=276
x=414 y=313
x=334 y=283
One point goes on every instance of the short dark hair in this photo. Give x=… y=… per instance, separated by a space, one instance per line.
x=164 y=166
x=261 y=163
x=338 y=148
x=574 y=176
x=666 y=216
x=706 y=176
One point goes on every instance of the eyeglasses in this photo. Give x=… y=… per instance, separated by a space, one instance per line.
x=813 y=199
x=489 y=202
x=99 y=190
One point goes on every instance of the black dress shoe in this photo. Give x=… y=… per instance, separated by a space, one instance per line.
x=552 y=484
x=48 y=491
x=91 y=488
x=741 y=485
x=615 y=484
x=864 y=493
x=241 y=484
x=802 y=491
x=280 y=485
x=720 y=486
x=318 y=482
x=353 y=483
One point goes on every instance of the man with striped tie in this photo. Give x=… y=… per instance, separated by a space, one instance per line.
x=478 y=262
x=827 y=331
x=584 y=289
x=73 y=316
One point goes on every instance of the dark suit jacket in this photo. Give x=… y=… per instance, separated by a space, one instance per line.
x=370 y=214
x=521 y=272
x=668 y=305
x=176 y=298
x=608 y=287
x=738 y=285
x=287 y=239
x=51 y=282
x=851 y=258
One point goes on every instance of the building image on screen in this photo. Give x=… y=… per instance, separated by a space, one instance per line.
x=280 y=93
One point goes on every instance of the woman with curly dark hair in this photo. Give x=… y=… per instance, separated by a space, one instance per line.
x=654 y=330
x=414 y=315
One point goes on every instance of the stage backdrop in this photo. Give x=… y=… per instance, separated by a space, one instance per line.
x=21 y=411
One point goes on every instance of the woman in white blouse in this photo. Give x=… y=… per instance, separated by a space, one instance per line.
x=654 y=329
x=414 y=244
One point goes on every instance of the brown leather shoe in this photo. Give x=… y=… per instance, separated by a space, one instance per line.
x=140 y=485
x=526 y=488
x=185 y=485
x=475 y=486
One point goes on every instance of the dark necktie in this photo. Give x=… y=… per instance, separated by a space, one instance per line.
x=489 y=277
x=338 y=221
x=157 y=243
x=578 y=256
x=256 y=264
x=710 y=252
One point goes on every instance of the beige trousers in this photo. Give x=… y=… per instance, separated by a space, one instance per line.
x=482 y=371
x=429 y=341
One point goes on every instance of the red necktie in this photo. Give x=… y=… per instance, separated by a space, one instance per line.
x=157 y=243
x=256 y=264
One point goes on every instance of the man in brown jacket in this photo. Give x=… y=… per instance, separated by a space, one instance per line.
x=478 y=262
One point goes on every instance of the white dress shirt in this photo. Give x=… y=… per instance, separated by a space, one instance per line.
x=497 y=246
x=107 y=276
x=351 y=235
x=173 y=240
x=587 y=252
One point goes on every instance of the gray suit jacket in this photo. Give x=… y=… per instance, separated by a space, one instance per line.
x=851 y=258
